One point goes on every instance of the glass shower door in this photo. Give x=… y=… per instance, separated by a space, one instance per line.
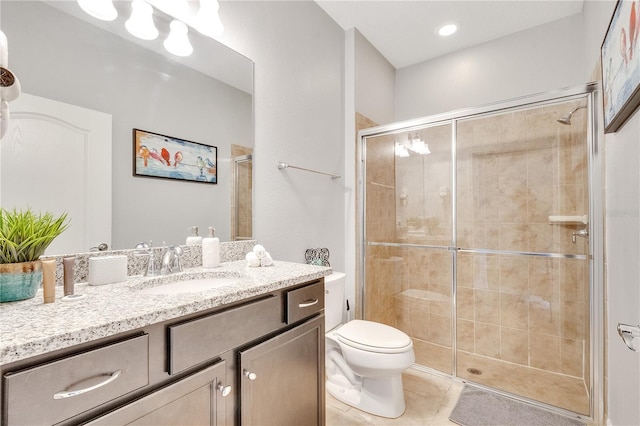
x=408 y=227
x=522 y=272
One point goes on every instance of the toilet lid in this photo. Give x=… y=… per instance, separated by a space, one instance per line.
x=373 y=337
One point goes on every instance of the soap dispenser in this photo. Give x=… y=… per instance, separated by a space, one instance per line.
x=211 y=249
x=194 y=238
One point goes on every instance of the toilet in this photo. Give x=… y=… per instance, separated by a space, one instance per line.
x=364 y=359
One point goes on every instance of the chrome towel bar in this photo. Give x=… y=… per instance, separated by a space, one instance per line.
x=283 y=165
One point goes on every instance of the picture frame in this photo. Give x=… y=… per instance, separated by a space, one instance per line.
x=620 y=61
x=168 y=157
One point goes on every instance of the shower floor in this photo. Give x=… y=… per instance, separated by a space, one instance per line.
x=559 y=390
x=550 y=388
x=429 y=398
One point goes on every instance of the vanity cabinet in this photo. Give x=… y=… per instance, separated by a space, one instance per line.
x=259 y=361
x=278 y=382
x=195 y=400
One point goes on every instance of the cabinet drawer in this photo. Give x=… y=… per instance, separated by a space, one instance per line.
x=199 y=340
x=58 y=390
x=305 y=301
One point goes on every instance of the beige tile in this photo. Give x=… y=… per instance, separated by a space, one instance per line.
x=440 y=330
x=544 y=280
x=513 y=169
x=514 y=346
x=433 y=356
x=571 y=352
x=545 y=352
x=512 y=204
x=465 y=334
x=514 y=274
x=466 y=303
x=573 y=280
x=487 y=306
x=514 y=311
x=487 y=340
x=514 y=237
x=541 y=203
x=544 y=316
x=573 y=319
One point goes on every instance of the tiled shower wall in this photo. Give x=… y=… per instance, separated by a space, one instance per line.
x=241 y=195
x=514 y=170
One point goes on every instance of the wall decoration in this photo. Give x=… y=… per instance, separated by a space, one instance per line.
x=620 y=57
x=161 y=156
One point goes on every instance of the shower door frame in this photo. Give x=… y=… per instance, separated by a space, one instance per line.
x=595 y=255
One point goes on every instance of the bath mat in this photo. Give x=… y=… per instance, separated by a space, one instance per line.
x=477 y=407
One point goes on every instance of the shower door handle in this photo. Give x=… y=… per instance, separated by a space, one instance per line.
x=584 y=233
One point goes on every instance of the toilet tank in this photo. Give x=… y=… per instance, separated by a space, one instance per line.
x=334 y=302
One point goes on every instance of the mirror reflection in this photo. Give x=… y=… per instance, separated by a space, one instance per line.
x=68 y=60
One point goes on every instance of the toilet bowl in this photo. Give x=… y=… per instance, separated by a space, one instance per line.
x=364 y=359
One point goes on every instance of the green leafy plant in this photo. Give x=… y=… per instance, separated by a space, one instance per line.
x=24 y=235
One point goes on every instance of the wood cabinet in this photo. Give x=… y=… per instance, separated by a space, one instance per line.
x=279 y=381
x=260 y=362
x=194 y=400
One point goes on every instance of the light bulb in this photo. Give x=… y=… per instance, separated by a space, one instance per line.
x=100 y=9
x=140 y=24
x=207 y=19
x=178 y=41
x=401 y=150
x=447 y=29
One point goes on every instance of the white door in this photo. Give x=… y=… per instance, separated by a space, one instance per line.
x=56 y=157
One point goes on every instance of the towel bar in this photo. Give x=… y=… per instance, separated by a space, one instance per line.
x=283 y=165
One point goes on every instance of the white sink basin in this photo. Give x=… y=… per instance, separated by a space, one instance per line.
x=190 y=286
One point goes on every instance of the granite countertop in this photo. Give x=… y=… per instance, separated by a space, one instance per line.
x=30 y=327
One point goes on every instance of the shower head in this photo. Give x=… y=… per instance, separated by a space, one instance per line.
x=566 y=119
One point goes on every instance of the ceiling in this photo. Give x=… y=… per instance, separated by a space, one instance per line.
x=404 y=32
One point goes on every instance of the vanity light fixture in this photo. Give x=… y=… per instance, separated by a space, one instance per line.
x=140 y=24
x=178 y=41
x=401 y=150
x=419 y=146
x=207 y=19
x=447 y=29
x=100 y=9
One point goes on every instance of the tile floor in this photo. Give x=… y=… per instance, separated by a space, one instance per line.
x=429 y=399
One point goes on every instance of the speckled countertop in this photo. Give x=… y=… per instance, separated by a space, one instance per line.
x=30 y=327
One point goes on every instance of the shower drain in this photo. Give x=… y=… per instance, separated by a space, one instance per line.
x=474 y=371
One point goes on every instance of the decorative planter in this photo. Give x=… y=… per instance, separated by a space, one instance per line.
x=19 y=281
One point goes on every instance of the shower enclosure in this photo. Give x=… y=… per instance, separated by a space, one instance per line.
x=241 y=193
x=480 y=242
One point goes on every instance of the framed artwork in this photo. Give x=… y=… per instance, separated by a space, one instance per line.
x=161 y=156
x=620 y=55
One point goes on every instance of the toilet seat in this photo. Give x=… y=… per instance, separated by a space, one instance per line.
x=373 y=337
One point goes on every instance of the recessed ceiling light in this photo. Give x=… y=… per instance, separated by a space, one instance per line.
x=447 y=29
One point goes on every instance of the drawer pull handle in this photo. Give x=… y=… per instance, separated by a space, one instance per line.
x=250 y=375
x=224 y=390
x=307 y=303
x=68 y=394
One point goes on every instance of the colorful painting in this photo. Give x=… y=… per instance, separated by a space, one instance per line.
x=621 y=65
x=163 y=156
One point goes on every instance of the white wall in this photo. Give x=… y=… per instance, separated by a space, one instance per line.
x=375 y=82
x=543 y=58
x=622 y=245
x=298 y=55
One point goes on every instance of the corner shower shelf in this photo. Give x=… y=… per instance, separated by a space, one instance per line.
x=568 y=220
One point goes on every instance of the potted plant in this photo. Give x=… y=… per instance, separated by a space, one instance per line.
x=24 y=236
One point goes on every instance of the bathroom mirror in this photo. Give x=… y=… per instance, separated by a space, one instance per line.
x=62 y=54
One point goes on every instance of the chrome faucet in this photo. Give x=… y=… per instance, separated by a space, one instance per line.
x=584 y=233
x=171 y=260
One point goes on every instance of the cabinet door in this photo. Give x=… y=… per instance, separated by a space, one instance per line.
x=282 y=379
x=194 y=400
